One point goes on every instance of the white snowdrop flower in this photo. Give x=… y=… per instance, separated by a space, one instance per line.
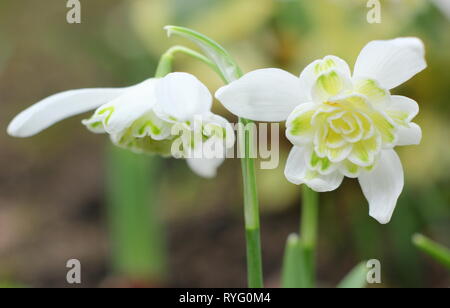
x=140 y=118
x=341 y=124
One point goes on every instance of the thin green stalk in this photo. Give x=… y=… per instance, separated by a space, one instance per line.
x=165 y=64
x=308 y=233
x=229 y=71
x=251 y=212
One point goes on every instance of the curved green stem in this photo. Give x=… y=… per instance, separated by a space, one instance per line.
x=165 y=63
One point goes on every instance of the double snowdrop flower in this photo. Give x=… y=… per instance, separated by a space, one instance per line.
x=150 y=117
x=341 y=124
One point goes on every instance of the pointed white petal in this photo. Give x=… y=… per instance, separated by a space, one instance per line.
x=181 y=96
x=262 y=95
x=382 y=186
x=411 y=135
x=391 y=62
x=59 y=107
x=297 y=172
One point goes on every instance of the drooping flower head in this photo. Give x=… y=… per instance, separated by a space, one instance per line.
x=141 y=118
x=341 y=124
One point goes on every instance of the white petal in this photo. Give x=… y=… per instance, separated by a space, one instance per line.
x=59 y=107
x=135 y=102
x=411 y=135
x=391 y=62
x=296 y=165
x=309 y=75
x=181 y=96
x=205 y=164
x=205 y=167
x=297 y=172
x=262 y=95
x=324 y=183
x=403 y=104
x=382 y=186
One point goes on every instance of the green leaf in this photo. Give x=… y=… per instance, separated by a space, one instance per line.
x=356 y=279
x=293 y=275
x=229 y=70
x=137 y=233
x=433 y=249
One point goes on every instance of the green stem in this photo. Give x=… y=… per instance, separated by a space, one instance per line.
x=308 y=233
x=165 y=63
x=251 y=211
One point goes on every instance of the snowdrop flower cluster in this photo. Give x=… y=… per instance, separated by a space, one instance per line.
x=341 y=124
x=149 y=117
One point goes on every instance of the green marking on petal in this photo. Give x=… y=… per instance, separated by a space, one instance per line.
x=330 y=83
x=399 y=117
x=371 y=90
x=370 y=168
x=110 y=111
x=366 y=125
x=324 y=66
x=364 y=151
x=350 y=169
x=302 y=124
x=384 y=127
x=333 y=139
x=144 y=144
x=338 y=154
x=361 y=152
x=323 y=164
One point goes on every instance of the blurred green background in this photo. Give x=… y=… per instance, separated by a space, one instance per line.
x=52 y=187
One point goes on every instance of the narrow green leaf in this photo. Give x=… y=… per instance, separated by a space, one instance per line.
x=356 y=279
x=433 y=249
x=229 y=70
x=293 y=275
x=137 y=234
